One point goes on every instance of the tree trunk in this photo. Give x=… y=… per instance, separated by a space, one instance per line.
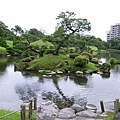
x=58 y=48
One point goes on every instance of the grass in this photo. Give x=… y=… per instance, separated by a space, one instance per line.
x=15 y=116
x=93 y=48
x=41 y=43
x=3 y=50
x=110 y=116
x=52 y=62
x=9 y=43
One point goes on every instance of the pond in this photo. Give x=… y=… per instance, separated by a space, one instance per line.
x=17 y=87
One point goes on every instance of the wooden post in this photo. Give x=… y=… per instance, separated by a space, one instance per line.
x=102 y=106
x=30 y=108
x=35 y=103
x=116 y=106
x=23 y=111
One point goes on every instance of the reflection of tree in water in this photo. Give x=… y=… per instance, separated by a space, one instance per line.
x=60 y=99
x=79 y=80
x=26 y=91
x=105 y=75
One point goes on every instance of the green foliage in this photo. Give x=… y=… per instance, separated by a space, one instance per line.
x=28 y=59
x=3 y=42
x=49 y=51
x=80 y=61
x=10 y=50
x=3 y=50
x=113 y=61
x=87 y=54
x=41 y=43
x=17 y=29
x=32 y=57
x=73 y=55
x=9 y=43
x=36 y=32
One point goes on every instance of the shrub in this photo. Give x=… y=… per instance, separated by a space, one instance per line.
x=80 y=61
x=87 y=54
x=113 y=61
x=32 y=57
x=49 y=51
x=28 y=59
x=73 y=55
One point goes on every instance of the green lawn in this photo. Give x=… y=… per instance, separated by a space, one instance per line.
x=15 y=116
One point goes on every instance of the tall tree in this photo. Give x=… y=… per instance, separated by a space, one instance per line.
x=70 y=25
x=36 y=32
x=17 y=29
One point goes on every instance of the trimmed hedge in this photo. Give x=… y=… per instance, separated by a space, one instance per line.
x=80 y=61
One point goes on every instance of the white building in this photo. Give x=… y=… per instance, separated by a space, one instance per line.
x=114 y=31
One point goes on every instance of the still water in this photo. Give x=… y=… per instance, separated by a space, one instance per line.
x=17 y=87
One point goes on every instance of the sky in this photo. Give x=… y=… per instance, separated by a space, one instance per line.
x=41 y=14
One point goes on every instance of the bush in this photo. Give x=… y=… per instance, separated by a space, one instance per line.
x=28 y=59
x=80 y=61
x=32 y=57
x=113 y=61
x=49 y=51
x=73 y=55
x=87 y=54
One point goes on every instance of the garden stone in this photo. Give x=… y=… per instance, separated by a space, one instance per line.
x=87 y=113
x=91 y=107
x=117 y=116
x=66 y=113
x=77 y=108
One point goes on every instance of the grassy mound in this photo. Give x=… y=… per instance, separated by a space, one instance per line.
x=9 y=43
x=41 y=43
x=51 y=62
x=3 y=50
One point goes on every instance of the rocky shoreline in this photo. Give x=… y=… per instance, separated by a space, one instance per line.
x=75 y=112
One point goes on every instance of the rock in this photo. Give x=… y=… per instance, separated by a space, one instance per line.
x=79 y=72
x=66 y=113
x=47 y=102
x=100 y=73
x=51 y=73
x=77 y=108
x=94 y=60
x=59 y=72
x=89 y=71
x=87 y=113
x=117 y=116
x=91 y=107
x=40 y=71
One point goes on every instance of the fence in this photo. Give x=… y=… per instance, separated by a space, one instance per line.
x=32 y=105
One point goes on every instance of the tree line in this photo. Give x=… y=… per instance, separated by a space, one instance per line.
x=69 y=33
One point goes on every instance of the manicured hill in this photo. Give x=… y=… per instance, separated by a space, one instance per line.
x=41 y=43
x=9 y=43
x=53 y=62
x=3 y=50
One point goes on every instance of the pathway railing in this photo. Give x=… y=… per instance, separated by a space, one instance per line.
x=32 y=106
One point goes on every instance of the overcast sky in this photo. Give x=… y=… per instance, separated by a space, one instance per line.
x=41 y=14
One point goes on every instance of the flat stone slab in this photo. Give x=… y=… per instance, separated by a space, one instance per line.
x=87 y=113
x=66 y=113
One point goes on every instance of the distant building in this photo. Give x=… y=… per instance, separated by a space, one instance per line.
x=114 y=31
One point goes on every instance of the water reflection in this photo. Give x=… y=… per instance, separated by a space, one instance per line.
x=27 y=91
x=20 y=86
